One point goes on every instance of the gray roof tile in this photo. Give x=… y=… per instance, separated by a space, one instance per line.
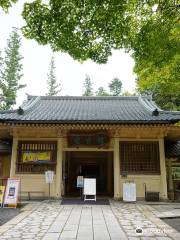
x=89 y=109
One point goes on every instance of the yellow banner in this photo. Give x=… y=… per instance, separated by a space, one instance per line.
x=35 y=157
x=2 y=190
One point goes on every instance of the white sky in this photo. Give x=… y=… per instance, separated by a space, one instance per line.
x=69 y=73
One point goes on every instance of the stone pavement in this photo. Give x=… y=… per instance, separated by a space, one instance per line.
x=134 y=217
x=166 y=210
x=52 y=221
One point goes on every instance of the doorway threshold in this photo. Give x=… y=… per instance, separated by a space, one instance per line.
x=79 y=201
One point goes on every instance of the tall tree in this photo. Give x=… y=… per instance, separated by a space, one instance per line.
x=53 y=86
x=88 y=89
x=1 y=63
x=115 y=87
x=11 y=74
x=1 y=94
x=102 y=92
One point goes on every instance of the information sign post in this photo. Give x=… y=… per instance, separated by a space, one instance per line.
x=49 y=176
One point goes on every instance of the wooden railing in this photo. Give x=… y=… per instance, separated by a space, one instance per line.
x=35 y=168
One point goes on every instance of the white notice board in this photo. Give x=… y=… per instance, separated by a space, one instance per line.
x=129 y=192
x=89 y=186
x=49 y=176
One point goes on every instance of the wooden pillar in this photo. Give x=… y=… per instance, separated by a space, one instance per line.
x=116 y=170
x=170 y=180
x=163 y=181
x=109 y=172
x=13 y=157
x=59 y=167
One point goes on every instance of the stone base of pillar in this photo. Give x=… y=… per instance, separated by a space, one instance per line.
x=117 y=198
x=58 y=198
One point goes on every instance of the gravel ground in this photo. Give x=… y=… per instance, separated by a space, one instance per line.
x=169 y=213
x=7 y=214
x=173 y=222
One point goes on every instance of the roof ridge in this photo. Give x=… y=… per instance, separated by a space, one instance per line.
x=149 y=105
x=85 y=97
x=8 y=111
x=28 y=105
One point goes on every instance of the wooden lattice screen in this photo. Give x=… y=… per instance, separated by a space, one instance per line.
x=139 y=157
x=36 y=148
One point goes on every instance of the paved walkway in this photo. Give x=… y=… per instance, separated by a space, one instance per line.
x=52 y=221
x=134 y=217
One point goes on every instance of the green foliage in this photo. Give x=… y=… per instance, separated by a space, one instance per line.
x=157 y=60
x=128 y=94
x=88 y=89
x=91 y=29
x=115 y=87
x=53 y=86
x=1 y=61
x=101 y=92
x=6 y=4
x=162 y=82
x=10 y=74
x=177 y=124
x=84 y=29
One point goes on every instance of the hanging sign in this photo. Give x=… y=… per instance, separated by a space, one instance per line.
x=36 y=157
x=94 y=139
x=49 y=176
x=2 y=190
x=12 y=191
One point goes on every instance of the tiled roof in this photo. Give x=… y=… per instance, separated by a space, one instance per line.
x=66 y=109
x=172 y=149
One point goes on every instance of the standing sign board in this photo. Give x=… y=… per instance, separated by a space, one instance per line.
x=89 y=188
x=12 y=192
x=2 y=190
x=129 y=192
x=49 y=176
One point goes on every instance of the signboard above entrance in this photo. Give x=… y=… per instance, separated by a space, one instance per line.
x=92 y=139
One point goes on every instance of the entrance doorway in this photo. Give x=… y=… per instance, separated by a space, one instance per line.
x=97 y=165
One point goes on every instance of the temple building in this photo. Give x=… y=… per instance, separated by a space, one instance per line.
x=112 y=139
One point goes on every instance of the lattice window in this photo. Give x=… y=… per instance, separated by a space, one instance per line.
x=139 y=157
x=36 y=156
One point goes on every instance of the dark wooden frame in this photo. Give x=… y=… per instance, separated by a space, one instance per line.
x=36 y=146
x=139 y=157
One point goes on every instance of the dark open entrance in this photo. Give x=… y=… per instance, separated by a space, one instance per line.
x=97 y=165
